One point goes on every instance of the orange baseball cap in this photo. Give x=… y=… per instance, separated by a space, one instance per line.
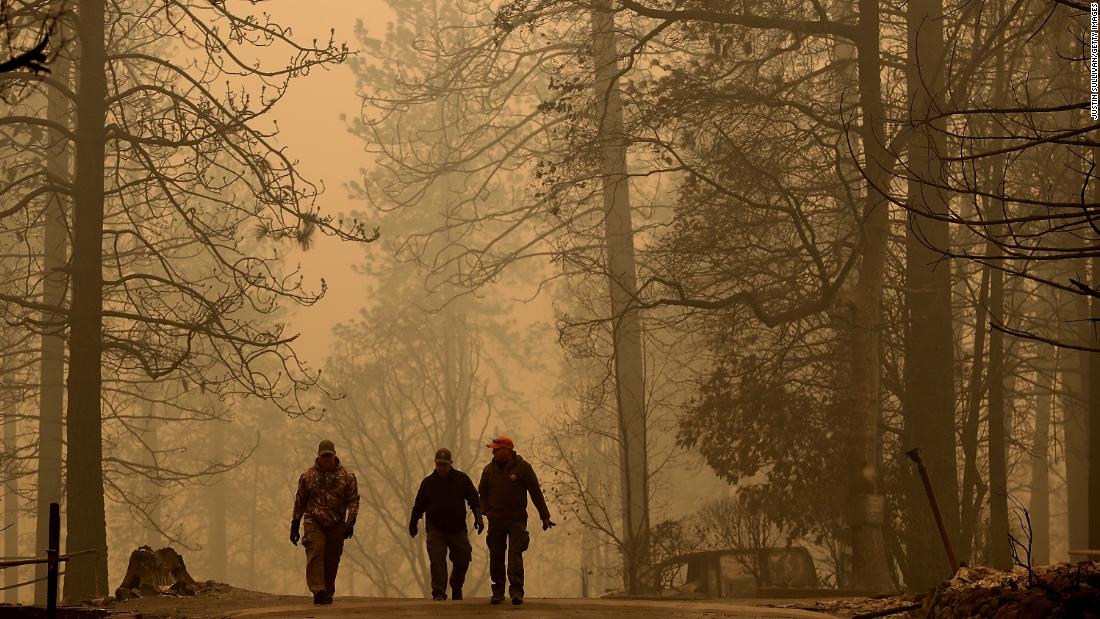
x=501 y=441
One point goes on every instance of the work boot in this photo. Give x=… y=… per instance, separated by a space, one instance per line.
x=496 y=599
x=327 y=599
x=318 y=597
x=516 y=600
x=456 y=594
x=439 y=596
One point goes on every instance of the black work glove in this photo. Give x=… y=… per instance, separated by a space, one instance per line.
x=349 y=528
x=412 y=528
x=547 y=524
x=479 y=525
x=294 y=534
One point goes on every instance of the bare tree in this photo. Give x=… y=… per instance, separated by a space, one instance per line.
x=189 y=170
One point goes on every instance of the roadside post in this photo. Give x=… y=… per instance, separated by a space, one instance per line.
x=53 y=561
x=914 y=455
x=52 y=556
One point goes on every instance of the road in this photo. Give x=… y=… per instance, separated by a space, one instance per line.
x=290 y=607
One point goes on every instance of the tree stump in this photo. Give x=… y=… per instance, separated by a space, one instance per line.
x=151 y=572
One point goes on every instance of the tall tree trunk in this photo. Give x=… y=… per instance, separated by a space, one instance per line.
x=973 y=487
x=999 y=551
x=153 y=537
x=626 y=320
x=1075 y=429
x=252 y=529
x=870 y=570
x=456 y=341
x=86 y=575
x=1068 y=84
x=51 y=404
x=846 y=55
x=1040 y=454
x=216 y=540
x=586 y=562
x=1093 y=446
x=929 y=402
x=11 y=512
x=456 y=380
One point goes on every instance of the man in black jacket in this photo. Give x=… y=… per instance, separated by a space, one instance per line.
x=442 y=496
x=505 y=484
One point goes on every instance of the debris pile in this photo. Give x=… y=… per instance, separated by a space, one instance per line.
x=157 y=572
x=854 y=607
x=1045 y=592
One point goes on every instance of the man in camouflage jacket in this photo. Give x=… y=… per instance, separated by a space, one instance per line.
x=325 y=491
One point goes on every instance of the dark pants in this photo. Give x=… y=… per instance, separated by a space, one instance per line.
x=439 y=543
x=323 y=545
x=507 y=536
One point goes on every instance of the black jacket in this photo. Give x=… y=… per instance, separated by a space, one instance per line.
x=442 y=498
x=504 y=488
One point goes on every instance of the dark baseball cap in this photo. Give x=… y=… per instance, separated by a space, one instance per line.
x=326 y=447
x=443 y=455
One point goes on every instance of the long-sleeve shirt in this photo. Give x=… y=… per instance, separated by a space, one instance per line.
x=444 y=500
x=504 y=488
x=323 y=496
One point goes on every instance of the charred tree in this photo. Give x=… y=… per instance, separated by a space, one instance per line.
x=1093 y=452
x=253 y=508
x=54 y=282
x=216 y=551
x=625 y=316
x=863 y=306
x=1046 y=369
x=86 y=575
x=998 y=553
x=11 y=512
x=1075 y=422
x=929 y=399
x=974 y=487
x=870 y=571
x=1067 y=86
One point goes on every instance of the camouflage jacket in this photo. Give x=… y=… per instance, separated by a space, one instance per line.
x=324 y=496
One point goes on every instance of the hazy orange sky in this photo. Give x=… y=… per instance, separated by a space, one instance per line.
x=311 y=128
x=314 y=134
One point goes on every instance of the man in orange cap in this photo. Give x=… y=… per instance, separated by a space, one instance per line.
x=505 y=484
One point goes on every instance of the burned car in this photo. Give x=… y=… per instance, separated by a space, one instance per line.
x=740 y=573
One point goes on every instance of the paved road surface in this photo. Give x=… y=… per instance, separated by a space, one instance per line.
x=292 y=608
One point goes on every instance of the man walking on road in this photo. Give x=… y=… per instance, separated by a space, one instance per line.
x=505 y=483
x=443 y=496
x=325 y=491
